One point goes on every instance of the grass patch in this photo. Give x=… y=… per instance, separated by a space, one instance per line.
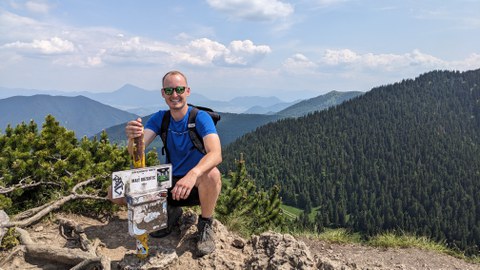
x=290 y=211
x=313 y=213
x=340 y=236
x=404 y=240
x=386 y=240
x=390 y=239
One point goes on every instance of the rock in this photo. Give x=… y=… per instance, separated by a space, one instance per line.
x=4 y=219
x=238 y=243
x=159 y=258
x=327 y=264
x=279 y=251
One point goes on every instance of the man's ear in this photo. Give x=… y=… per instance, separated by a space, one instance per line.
x=188 y=91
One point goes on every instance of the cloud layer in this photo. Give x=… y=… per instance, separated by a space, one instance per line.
x=261 y=44
x=94 y=47
x=257 y=10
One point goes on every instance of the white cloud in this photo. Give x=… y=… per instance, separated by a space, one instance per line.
x=53 y=45
x=15 y=27
x=299 y=63
x=258 y=10
x=97 y=47
x=389 y=62
x=471 y=62
x=199 y=52
x=242 y=53
x=335 y=57
x=203 y=52
x=37 y=7
x=328 y=3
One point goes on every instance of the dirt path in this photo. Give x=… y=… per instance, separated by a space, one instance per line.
x=117 y=243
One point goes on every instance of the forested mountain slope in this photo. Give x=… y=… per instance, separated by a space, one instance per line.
x=319 y=103
x=230 y=127
x=404 y=156
x=234 y=125
x=80 y=114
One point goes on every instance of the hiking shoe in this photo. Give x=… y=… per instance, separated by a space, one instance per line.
x=205 y=237
x=174 y=214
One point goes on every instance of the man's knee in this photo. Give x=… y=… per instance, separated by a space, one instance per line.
x=212 y=178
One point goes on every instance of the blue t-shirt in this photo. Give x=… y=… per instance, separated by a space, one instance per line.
x=183 y=154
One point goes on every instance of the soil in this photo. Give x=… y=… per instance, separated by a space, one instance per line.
x=231 y=250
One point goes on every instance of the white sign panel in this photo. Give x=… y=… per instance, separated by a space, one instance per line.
x=141 y=180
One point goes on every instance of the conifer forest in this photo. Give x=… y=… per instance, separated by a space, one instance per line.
x=403 y=157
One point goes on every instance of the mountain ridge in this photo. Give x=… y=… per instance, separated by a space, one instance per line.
x=143 y=102
x=79 y=113
x=402 y=156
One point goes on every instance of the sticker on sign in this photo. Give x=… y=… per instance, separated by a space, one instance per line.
x=141 y=180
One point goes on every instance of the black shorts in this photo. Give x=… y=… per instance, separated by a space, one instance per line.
x=193 y=198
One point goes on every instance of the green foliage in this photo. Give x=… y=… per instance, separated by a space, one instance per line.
x=290 y=211
x=56 y=156
x=341 y=235
x=5 y=202
x=245 y=208
x=403 y=240
x=400 y=157
x=9 y=240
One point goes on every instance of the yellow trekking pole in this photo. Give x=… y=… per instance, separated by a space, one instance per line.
x=139 y=162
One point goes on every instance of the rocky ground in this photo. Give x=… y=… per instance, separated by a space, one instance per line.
x=267 y=251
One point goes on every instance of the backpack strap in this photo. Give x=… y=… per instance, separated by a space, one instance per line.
x=192 y=131
x=192 y=128
x=164 y=132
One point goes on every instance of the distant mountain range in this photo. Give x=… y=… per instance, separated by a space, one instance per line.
x=317 y=103
x=144 y=102
x=234 y=125
x=88 y=117
x=80 y=114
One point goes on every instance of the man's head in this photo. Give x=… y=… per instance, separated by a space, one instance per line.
x=175 y=90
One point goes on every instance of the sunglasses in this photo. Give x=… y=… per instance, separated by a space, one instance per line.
x=178 y=89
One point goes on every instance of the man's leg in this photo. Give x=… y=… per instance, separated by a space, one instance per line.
x=209 y=187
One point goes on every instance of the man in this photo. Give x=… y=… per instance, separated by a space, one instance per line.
x=196 y=178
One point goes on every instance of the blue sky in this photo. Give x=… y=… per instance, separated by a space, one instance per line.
x=227 y=48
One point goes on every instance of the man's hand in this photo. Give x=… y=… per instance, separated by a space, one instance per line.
x=183 y=187
x=134 y=128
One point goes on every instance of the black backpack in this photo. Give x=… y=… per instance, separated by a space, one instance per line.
x=192 y=129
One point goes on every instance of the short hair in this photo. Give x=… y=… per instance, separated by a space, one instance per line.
x=173 y=72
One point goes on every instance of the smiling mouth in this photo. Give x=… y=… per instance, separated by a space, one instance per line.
x=177 y=100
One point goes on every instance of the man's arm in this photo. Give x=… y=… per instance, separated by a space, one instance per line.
x=135 y=129
x=213 y=157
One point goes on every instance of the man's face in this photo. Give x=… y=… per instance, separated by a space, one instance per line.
x=175 y=101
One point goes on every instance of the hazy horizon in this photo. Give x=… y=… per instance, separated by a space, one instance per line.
x=288 y=49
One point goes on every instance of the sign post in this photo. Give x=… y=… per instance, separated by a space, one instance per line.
x=146 y=191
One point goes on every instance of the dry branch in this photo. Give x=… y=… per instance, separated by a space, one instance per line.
x=57 y=254
x=76 y=232
x=88 y=264
x=54 y=206
x=11 y=254
x=22 y=185
x=30 y=212
x=80 y=259
x=4 y=190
